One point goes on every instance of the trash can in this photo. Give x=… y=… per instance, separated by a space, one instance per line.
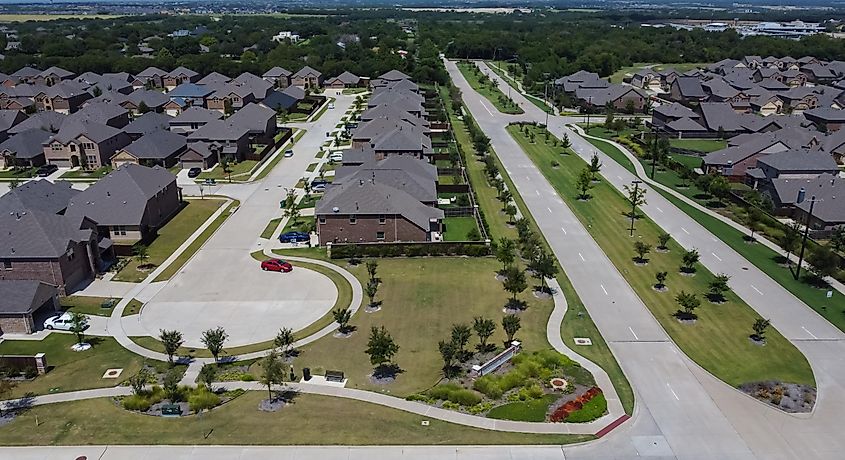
x=306 y=373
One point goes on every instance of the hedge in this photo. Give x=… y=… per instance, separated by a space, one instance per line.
x=346 y=251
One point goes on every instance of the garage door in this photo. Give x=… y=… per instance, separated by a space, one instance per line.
x=192 y=164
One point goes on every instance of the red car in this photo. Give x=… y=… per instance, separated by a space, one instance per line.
x=276 y=265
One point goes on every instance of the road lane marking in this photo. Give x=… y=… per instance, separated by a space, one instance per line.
x=658 y=209
x=603 y=289
x=673 y=391
x=550 y=210
x=633 y=333
x=485 y=108
x=537 y=192
x=755 y=288
x=685 y=230
x=620 y=177
x=808 y=332
x=582 y=257
x=717 y=257
x=563 y=230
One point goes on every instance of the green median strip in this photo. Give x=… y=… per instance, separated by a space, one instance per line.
x=484 y=86
x=719 y=339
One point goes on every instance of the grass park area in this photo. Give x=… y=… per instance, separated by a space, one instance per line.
x=70 y=370
x=170 y=237
x=488 y=88
x=736 y=360
x=304 y=421
x=458 y=228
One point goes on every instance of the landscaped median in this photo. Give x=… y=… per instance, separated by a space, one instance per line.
x=718 y=339
x=487 y=88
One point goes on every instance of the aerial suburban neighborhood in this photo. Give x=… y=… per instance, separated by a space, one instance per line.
x=331 y=231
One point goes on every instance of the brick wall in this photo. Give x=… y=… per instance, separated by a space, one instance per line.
x=337 y=228
x=21 y=324
x=62 y=272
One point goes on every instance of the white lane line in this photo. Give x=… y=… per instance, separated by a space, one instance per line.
x=485 y=108
x=673 y=391
x=755 y=288
x=563 y=230
x=808 y=332
x=620 y=177
x=717 y=257
x=550 y=210
x=603 y=289
x=633 y=333
x=685 y=230
x=658 y=209
x=582 y=257
x=537 y=192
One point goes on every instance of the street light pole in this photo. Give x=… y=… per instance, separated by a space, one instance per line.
x=654 y=148
x=546 y=101
x=589 y=106
x=634 y=203
x=802 y=193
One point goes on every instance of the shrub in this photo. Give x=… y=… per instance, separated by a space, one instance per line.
x=465 y=397
x=30 y=373
x=450 y=405
x=137 y=403
x=202 y=399
x=246 y=377
x=420 y=398
x=480 y=408
x=589 y=411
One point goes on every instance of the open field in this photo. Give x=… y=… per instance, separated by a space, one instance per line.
x=735 y=360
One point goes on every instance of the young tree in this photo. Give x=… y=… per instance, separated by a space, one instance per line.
x=689 y=260
x=484 y=329
x=283 y=340
x=371 y=290
x=720 y=187
x=207 y=374
x=342 y=317
x=718 y=287
x=515 y=282
x=141 y=253
x=143 y=107
x=543 y=266
x=448 y=351
x=273 y=371
x=381 y=347
x=642 y=249
x=584 y=183
x=510 y=211
x=138 y=381
x=511 y=325
x=662 y=240
x=595 y=166
x=460 y=337
x=372 y=270
x=566 y=143
x=78 y=324
x=823 y=261
x=213 y=339
x=760 y=325
x=752 y=221
x=688 y=303
x=505 y=252
x=170 y=385
x=171 y=340
x=790 y=238
x=661 y=279
x=636 y=198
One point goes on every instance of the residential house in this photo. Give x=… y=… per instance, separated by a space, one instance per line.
x=259 y=120
x=83 y=143
x=232 y=139
x=8 y=119
x=279 y=77
x=147 y=123
x=580 y=79
x=151 y=77
x=647 y=79
x=24 y=304
x=62 y=97
x=307 y=77
x=193 y=119
x=214 y=79
x=141 y=101
x=734 y=161
x=344 y=80
x=52 y=76
x=24 y=149
x=687 y=90
x=825 y=118
x=159 y=148
x=622 y=98
x=45 y=121
x=190 y=94
x=178 y=76
x=285 y=99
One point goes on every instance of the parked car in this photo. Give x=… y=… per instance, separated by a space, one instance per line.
x=60 y=322
x=194 y=172
x=288 y=153
x=318 y=188
x=318 y=181
x=336 y=156
x=276 y=265
x=46 y=170
x=294 y=237
x=331 y=105
x=211 y=181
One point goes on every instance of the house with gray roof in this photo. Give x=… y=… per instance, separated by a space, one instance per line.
x=146 y=124
x=232 y=139
x=179 y=76
x=8 y=119
x=829 y=191
x=622 y=98
x=733 y=161
x=52 y=76
x=307 y=77
x=84 y=143
x=687 y=90
x=24 y=149
x=344 y=80
x=130 y=203
x=24 y=304
x=826 y=118
x=259 y=120
x=214 y=78
x=159 y=148
x=64 y=97
x=793 y=163
x=192 y=119
x=278 y=76
x=151 y=77
x=580 y=79
x=38 y=195
x=416 y=177
x=45 y=121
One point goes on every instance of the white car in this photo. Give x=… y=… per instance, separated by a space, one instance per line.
x=336 y=157
x=288 y=153
x=60 y=322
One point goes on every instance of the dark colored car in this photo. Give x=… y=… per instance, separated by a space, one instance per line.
x=294 y=237
x=276 y=265
x=194 y=172
x=46 y=170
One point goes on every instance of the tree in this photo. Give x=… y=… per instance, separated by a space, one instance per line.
x=752 y=221
x=460 y=337
x=213 y=339
x=207 y=374
x=689 y=260
x=543 y=266
x=719 y=187
x=381 y=346
x=170 y=385
x=484 y=329
x=78 y=324
x=661 y=279
x=372 y=269
x=510 y=211
x=272 y=371
x=342 y=317
x=138 y=381
x=663 y=240
x=96 y=92
x=688 y=303
x=595 y=166
x=718 y=287
x=823 y=261
x=759 y=327
x=505 y=252
x=641 y=249
x=141 y=253
x=636 y=198
x=283 y=340
x=143 y=107
x=515 y=282
x=171 y=340
x=371 y=290
x=448 y=351
x=566 y=143
x=511 y=325
x=584 y=183
x=789 y=240
x=837 y=240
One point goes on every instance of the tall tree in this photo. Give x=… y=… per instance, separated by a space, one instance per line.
x=171 y=340
x=460 y=337
x=543 y=267
x=505 y=252
x=515 y=282
x=272 y=371
x=484 y=329
x=790 y=238
x=448 y=351
x=213 y=339
x=381 y=347
x=823 y=261
x=511 y=325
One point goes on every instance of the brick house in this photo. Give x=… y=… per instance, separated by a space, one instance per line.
x=23 y=304
x=62 y=98
x=83 y=143
x=179 y=76
x=307 y=77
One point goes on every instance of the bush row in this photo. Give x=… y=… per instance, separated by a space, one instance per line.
x=346 y=251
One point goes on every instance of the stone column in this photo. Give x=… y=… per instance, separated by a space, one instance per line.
x=41 y=363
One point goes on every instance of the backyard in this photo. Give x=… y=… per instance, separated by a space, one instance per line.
x=459 y=228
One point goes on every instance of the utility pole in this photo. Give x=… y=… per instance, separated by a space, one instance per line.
x=634 y=198
x=546 y=101
x=654 y=147
x=589 y=107
x=802 y=194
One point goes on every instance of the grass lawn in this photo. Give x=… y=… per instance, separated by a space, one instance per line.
x=735 y=360
x=22 y=173
x=303 y=224
x=133 y=307
x=71 y=370
x=488 y=89
x=699 y=145
x=528 y=411
x=577 y=321
x=171 y=236
x=309 y=201
x=87 y=174
x=100 y=421
x=243 y=168
x=457 y=228
x=448 y=180
x=311 y=167
x=354 y=91
x=87 y=304
x=270 y=228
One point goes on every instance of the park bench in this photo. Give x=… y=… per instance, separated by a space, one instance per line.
x=171 y=410
x=334 y=376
